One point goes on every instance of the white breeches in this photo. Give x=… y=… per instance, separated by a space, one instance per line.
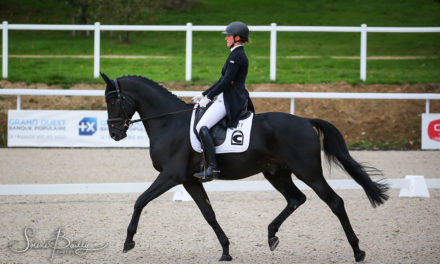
x=214 y=114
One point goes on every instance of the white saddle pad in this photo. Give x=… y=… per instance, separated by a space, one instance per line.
x=237 y=139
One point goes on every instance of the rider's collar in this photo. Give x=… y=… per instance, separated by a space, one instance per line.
x=233 y=48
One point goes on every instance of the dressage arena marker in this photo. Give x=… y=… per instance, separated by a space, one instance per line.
x=182 y=195
x=416 y=188
x=411 y=186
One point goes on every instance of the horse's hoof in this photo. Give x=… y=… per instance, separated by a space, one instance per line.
x=225 y=258
x=360 y=256
x=128 y=246
x=273 y=243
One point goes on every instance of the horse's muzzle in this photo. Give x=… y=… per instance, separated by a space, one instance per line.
x=118 y=136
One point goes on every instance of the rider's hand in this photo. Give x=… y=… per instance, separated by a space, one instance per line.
x=196 y=99
x=204 y=101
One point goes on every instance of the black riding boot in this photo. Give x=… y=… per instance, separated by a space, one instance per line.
x=209 y=151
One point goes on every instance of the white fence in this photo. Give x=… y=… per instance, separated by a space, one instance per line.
x=286 y=95
x=190 y=28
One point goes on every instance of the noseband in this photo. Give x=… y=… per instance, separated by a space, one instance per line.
x=126 y=120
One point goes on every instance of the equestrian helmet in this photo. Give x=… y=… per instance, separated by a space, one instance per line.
x=238 y=28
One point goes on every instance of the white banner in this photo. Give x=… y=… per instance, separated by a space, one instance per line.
x=54 y=128
x=431 y=131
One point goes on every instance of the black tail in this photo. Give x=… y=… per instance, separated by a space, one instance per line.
x=336 y=151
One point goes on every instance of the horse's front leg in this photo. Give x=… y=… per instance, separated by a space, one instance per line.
x=162 y=184
x=198 y=193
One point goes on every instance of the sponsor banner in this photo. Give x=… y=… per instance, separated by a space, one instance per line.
x=56 y=128
x=430 y=131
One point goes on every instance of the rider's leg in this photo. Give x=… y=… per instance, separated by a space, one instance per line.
x=213 y=115
x=212 y=171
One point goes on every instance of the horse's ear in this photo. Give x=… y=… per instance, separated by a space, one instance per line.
x=106 y=79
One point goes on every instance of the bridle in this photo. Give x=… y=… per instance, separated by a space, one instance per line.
x=126 y=120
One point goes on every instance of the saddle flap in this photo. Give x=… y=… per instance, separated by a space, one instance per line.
x=236 y=139
x=218 y=132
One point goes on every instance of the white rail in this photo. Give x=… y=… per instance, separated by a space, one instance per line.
x=287 y=95
x=217 y=186
x=189 y=28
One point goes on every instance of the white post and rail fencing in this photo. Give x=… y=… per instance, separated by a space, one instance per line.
x=189 y=28
x=283 y=95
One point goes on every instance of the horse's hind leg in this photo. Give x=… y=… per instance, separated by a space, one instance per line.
x=282 y=181
x=336 y=204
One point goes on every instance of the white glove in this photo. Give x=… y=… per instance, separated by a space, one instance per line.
x=204 y=101
x=196 y=99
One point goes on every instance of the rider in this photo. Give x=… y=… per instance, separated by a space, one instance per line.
x=231 y=93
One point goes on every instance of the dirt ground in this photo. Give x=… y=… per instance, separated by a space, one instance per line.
x=386 y=124
x=403 y=230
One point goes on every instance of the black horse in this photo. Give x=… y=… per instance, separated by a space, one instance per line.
x=281 y=144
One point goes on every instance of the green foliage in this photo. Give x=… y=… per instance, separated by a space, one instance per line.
x=382 y=145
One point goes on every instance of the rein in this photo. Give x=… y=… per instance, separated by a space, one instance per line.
x=127 y=121
x=161 y=115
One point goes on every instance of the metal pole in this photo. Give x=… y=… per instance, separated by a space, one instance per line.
x=188 y=59
x=427 y=106
x=5 y=50
x=364 y=52
x=18 y=102
x=273 y=51
x=97 y=50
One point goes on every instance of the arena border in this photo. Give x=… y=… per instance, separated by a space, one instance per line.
x=216 y=186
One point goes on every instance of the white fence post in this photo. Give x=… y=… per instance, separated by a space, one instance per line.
x=5 y=50
x=292 y=106
x=97 y=50
x=363 y=52
x=273 y=51
x=18 y=102
x=188 y=59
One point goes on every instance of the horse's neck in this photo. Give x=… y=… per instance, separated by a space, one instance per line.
x=157 y=101
x=156 y=104
x=158 y=107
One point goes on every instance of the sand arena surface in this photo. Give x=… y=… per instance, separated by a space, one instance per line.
x=403 y=230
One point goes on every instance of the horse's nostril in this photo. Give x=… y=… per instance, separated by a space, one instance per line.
x=113 y=135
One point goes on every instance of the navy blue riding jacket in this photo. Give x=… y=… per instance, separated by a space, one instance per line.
x=232 y=85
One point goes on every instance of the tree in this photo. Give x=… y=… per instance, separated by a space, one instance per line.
x=83 y=12
x=125 y=12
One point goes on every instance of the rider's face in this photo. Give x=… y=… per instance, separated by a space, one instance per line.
x=229 y=40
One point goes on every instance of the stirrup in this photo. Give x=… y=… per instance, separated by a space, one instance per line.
x=207 y=174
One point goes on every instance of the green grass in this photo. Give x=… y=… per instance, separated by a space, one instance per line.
x=382 y=145
x=323 y=70
x=209 y=49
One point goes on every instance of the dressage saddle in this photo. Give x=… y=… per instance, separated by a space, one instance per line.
x=218 y=132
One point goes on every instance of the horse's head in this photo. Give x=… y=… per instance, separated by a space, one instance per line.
x=120 y=109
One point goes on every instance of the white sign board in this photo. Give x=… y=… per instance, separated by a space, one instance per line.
x=54 y=128
x=431 y=131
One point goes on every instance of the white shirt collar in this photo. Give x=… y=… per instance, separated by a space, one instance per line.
x=233 y=48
